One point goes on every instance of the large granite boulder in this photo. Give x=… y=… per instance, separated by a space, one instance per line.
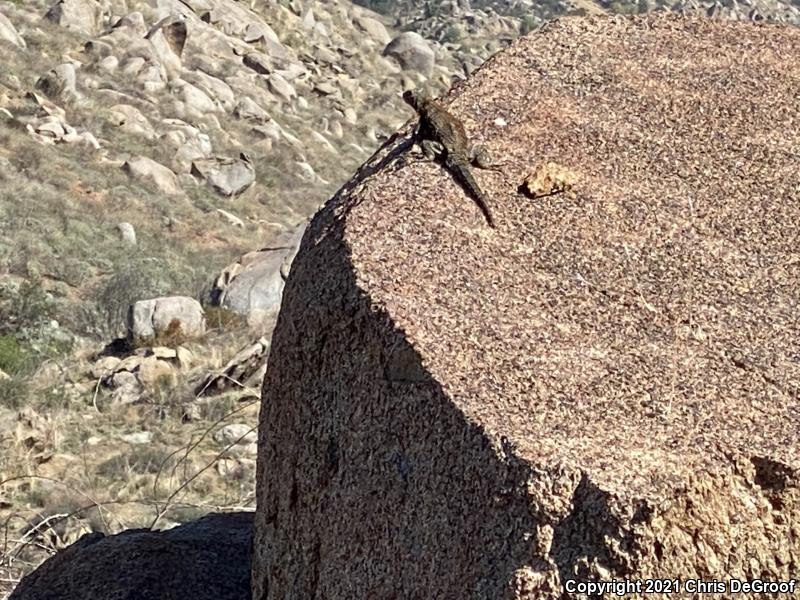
x=227 y=176
x=208 y=559
x=412 y=52
x=169 y=317
x=146 y=169
x=253 y=285
x=79 y=15
x=604 y=387
x=8 y=33
x=59 y=83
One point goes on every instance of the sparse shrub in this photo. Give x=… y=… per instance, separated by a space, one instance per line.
x=28 y=158
x=218 y=407
x=453 y=34
x=13 y=392
x=141 y=460
x=223 y=319
x=203 y=203
x=47 y=340
x=28 y=306
x=54 y=398
x=35 y=494
x=73 y=271
x=528 y=24
x=379 y=6
x=14 y=357
x=29 y=313
x=623 y=8
x=132 y=280
x=30 y=335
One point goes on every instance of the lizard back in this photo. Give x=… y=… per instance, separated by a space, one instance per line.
x=444 y=128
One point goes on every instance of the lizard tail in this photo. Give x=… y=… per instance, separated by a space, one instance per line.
x=463 y=173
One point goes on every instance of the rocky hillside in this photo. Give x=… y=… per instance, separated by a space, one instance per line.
x=470 y=24
x=175 y=149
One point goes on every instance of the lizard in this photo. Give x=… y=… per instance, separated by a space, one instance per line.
x=442 y=133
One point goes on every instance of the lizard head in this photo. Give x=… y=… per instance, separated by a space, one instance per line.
x=416 y=98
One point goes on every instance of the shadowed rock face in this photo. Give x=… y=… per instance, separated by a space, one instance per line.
x=605 y=386
x=208 y=559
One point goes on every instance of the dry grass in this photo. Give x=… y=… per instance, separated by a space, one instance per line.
x=69 y=472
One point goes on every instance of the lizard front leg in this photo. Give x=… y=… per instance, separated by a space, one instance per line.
x=431 y=149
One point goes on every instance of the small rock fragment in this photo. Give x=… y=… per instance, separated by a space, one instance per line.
x=549 y=178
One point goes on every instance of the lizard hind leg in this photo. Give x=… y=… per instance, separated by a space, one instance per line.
x=481 y=157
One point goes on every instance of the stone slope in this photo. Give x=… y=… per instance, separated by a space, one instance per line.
x=605 y=386
x=192 y=84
